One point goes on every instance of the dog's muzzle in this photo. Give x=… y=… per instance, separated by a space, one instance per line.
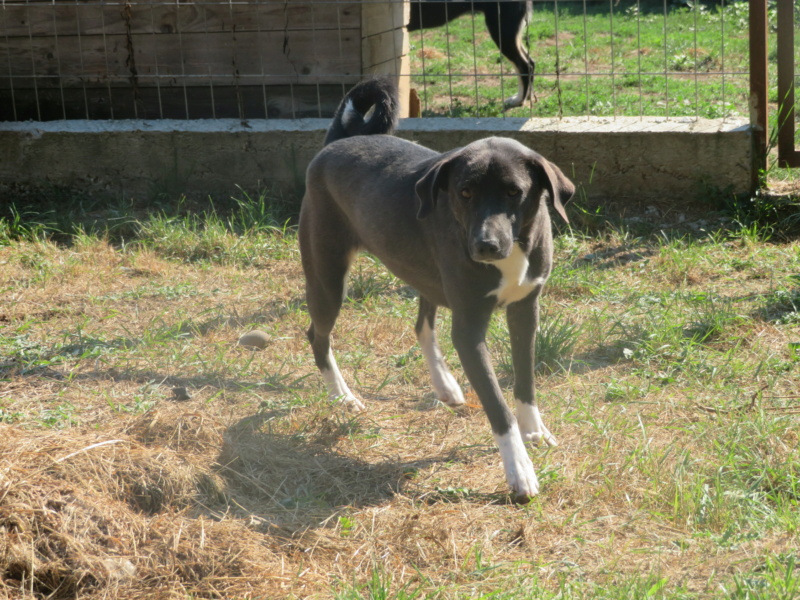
x=488 y=249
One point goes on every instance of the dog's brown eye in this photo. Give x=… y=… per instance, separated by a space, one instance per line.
x=466 y=194
x=514 y=191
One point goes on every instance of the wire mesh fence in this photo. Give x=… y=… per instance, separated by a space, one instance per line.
x=109 y=59
x=606 y=58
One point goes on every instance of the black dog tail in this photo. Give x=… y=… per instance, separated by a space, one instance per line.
x=370 y=108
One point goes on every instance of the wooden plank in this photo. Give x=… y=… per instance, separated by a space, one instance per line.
x=84 y=18
x=244 y=102
x=384 y=47
x=384 y=44
x=171 y=82
x=383 y=35
x=192 y=59
x=380 y=17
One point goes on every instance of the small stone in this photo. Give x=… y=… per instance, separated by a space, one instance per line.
x=255 y=340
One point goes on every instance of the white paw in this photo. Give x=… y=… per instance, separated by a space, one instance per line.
x=350 y=402
x=520 y=474
x=337 y=388
x=531 y=427
x=517 y=99
x=448 y=391
x=513 y=102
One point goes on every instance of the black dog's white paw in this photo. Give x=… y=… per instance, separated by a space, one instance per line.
x=449 y=392
x=518 y=467
x=532 y=428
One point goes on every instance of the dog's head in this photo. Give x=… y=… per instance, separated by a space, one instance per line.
x=495 y=187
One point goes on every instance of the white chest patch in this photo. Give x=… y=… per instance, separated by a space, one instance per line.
x=514 y=282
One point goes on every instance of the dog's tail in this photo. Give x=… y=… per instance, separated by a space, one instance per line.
x=370 y=108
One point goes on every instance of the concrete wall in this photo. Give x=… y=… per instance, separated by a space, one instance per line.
x=642 y=159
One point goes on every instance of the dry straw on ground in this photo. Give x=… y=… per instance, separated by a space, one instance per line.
x=177 y=505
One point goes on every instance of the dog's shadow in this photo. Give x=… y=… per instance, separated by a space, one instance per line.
x=288 y=474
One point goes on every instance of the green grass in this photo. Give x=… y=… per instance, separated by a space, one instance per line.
x=623 y=59
x=667 y=370
x=208 y=228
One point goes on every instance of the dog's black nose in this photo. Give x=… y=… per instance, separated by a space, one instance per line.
x=487 y=249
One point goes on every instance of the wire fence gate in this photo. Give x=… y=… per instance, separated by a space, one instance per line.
x=110 y=59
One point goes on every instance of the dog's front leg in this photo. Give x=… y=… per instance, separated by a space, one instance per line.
x=447 y=389
x=469 y=339
x=523 y=320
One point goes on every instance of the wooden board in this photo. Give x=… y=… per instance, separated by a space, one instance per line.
x=209 y=59
x=91 y=18
x=384 y=44
x=380 y=17
x=193 y=59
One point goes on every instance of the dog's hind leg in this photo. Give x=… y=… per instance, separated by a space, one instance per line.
x=523 y=320
x=447 y=389
x=326 y=261
x=507 y=25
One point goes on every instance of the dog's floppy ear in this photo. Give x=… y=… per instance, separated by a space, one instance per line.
x=429 y=186
x=555 y=182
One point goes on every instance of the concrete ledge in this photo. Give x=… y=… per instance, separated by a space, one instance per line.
x=644 y=159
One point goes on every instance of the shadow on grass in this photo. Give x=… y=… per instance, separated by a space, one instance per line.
x=613 y=258
x=290 y=474
x=268 y=382
x=32 y=359
x=780 y=307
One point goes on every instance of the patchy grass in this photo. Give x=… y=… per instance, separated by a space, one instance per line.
x=669 y=374
x=596 y=58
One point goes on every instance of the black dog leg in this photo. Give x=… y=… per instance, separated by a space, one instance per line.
x=523 y=320
x=506 y=24
x=469 y=339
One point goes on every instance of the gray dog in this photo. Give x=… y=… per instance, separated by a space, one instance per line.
x=468 y=229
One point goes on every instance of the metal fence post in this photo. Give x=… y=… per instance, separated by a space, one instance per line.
x=787 y=155
x=758 y=86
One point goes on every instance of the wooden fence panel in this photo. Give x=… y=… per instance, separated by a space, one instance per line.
x=192 y=59
x=112 y=59
x=90 y=18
